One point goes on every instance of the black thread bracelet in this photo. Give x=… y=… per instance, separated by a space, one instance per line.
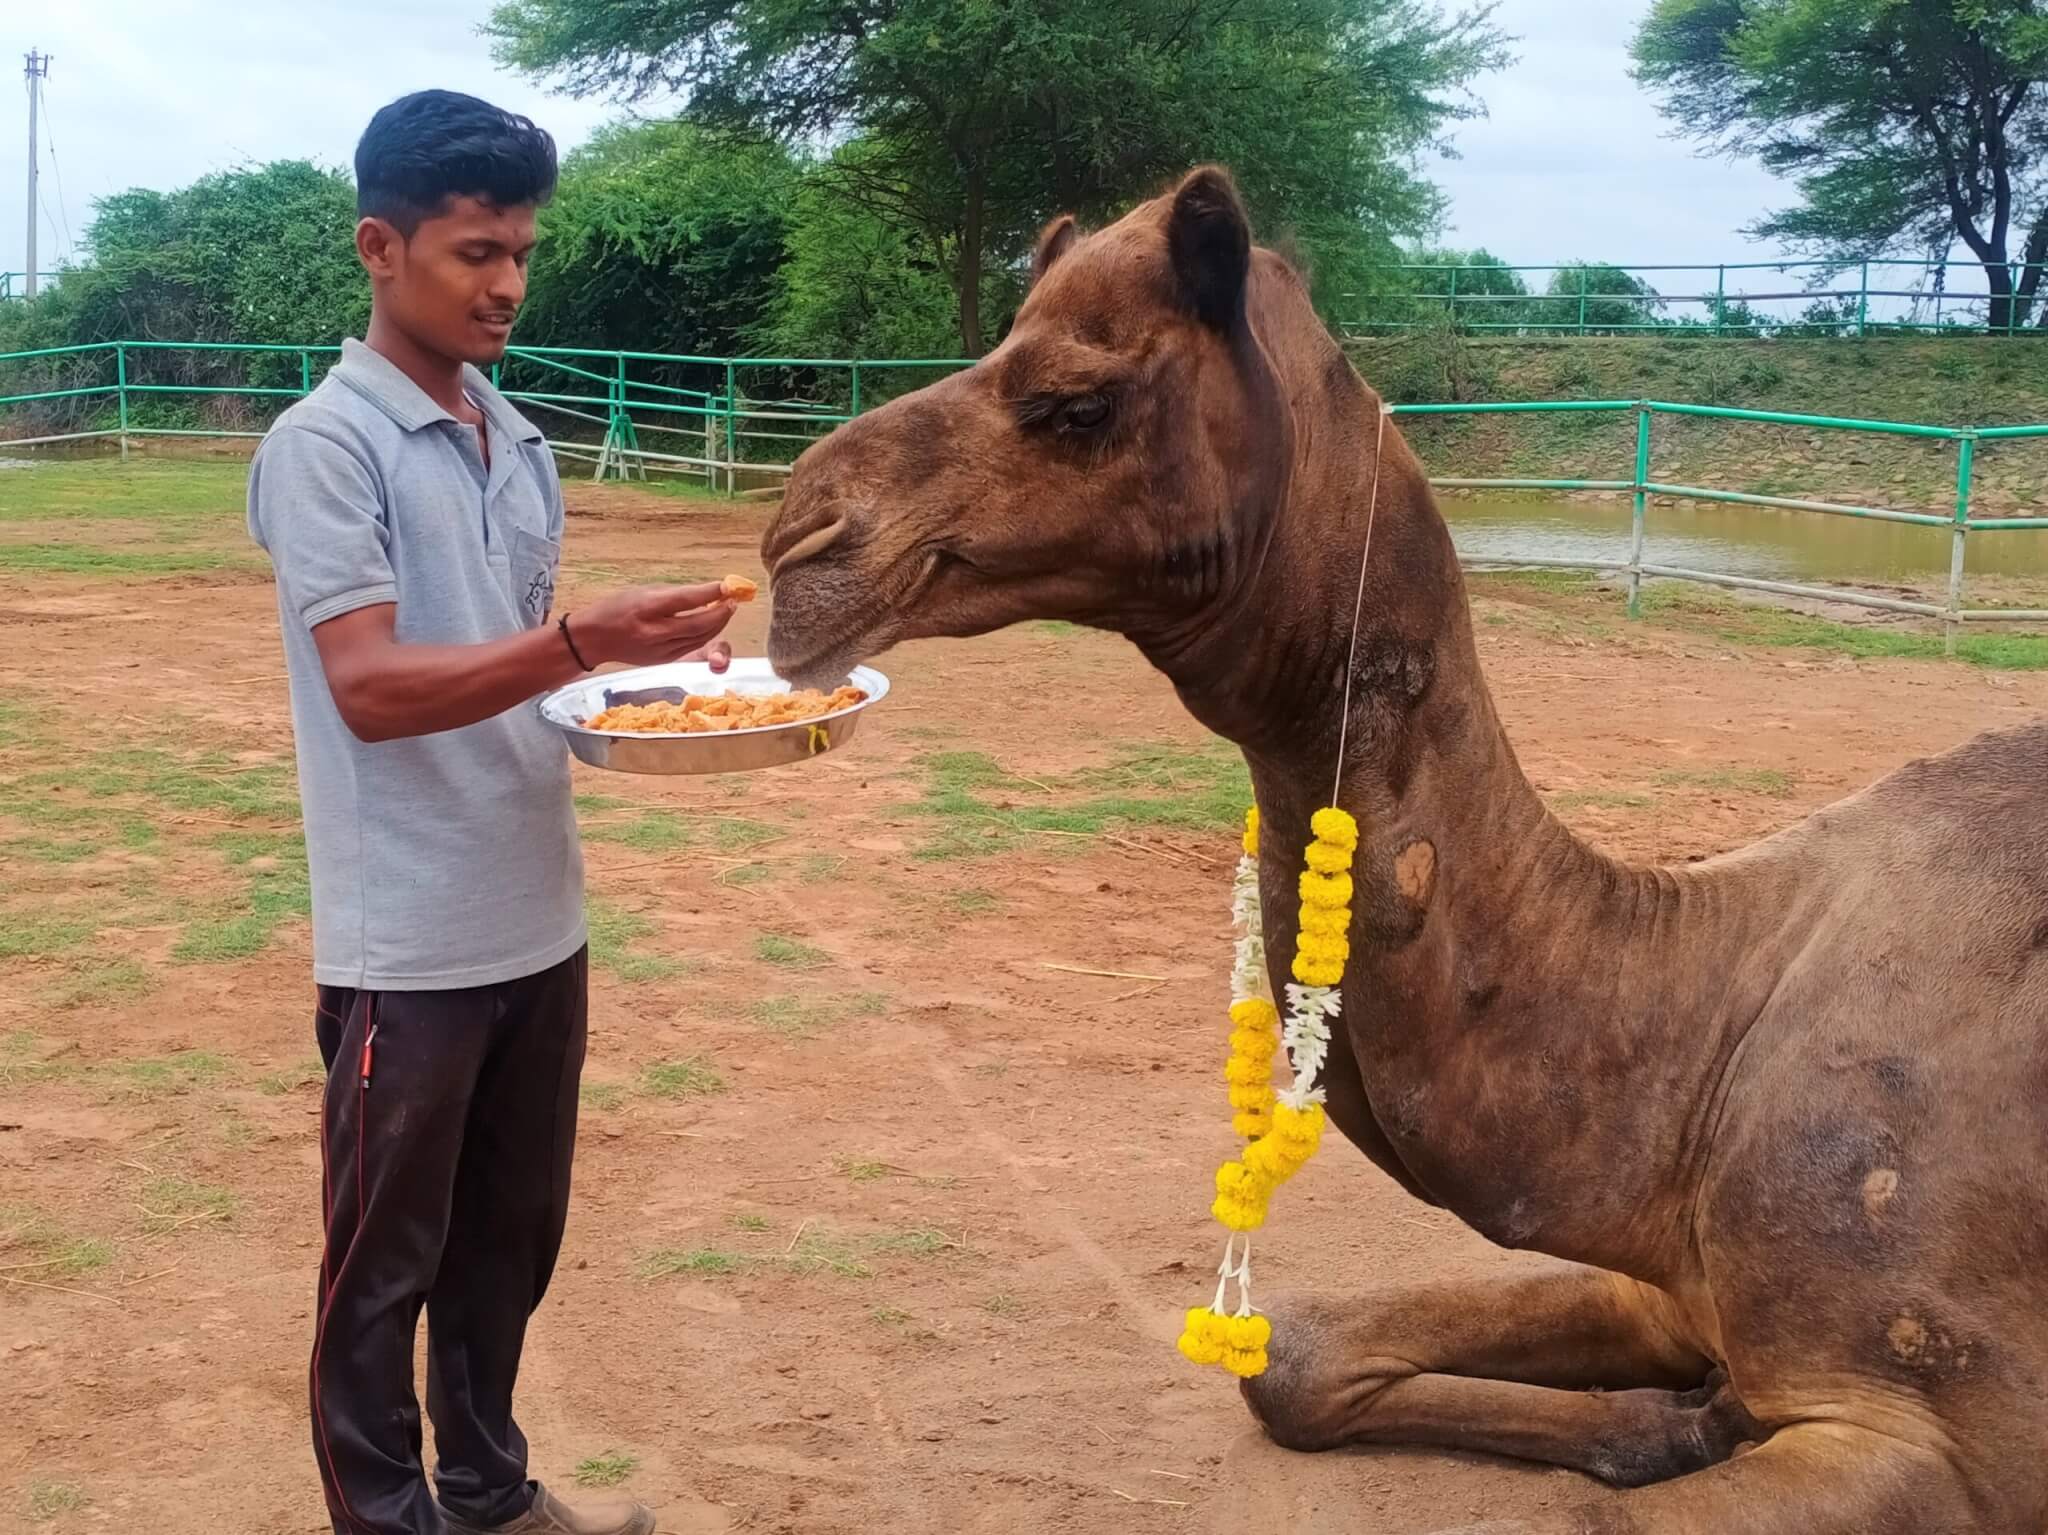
x=568 y=639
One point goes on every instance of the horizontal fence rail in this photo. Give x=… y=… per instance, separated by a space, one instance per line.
x=1876 y=297
x=717 y=411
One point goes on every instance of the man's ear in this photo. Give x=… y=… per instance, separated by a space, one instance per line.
x=378 y=247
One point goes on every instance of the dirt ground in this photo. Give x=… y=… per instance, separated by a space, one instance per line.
x=903 y=1095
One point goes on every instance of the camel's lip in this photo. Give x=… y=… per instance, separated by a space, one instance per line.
x=837 y=650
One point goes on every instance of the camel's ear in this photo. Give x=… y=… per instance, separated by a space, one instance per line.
x=1210 y=240
x=1054 y=242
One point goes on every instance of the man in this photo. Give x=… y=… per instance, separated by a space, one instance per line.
x=415 y=520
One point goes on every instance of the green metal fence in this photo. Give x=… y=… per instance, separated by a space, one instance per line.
x=1598 y=298
x=733 y=429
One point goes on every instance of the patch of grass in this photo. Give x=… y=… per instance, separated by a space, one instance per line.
x=47 y=1500
x=924 y=1242
x=85 y=560
x=1755 y=624
x=665 y=1261
x=1774 y=782
x=1538 y=580
x=1204 y=788
x=818 y=868
x=23 y=936
x=169 y=1204
x=180 y=493
x=1002 y=1303
x=792 y=1017
x=690 y=1078
x=104 y=980
x=613 y=932
x=277 y=889
x=750 y=1222
x=51 y=1252
x=789 y=953
x=730 y=834
x=1056 y=626
x=869 y=1004
x=890 y=1316
x=654 y=831
x=606 y=1470
x=180 y=1072
x=276 y=1084
x=592 y=804
x=972 y=903
x=994 y=1070
x=601 y=1095
x=864 y=1171
x=821 y=1252
x=1599 y=799
x=746 y=874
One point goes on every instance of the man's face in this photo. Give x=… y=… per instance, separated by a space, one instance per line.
x=457 y=284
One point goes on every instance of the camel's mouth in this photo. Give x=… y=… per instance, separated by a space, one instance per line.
x=831 y=612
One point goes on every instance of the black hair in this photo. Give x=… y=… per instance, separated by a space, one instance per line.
x=430 y=146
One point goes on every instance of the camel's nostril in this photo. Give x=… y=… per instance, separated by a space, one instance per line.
x=803 y=538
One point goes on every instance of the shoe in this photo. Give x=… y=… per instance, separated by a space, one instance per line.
x=551 y=1516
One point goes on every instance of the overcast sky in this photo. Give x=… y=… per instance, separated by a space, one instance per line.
x=1571 y=162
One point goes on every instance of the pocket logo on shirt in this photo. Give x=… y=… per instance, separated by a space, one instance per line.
x=536 y=561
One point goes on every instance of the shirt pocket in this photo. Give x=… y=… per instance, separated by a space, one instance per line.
x=535 y=563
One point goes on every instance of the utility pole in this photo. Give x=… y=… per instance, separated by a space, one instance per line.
x=38 y=69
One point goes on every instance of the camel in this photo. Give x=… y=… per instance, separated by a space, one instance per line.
x=1779 y=1117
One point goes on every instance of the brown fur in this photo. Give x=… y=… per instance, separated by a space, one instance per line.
x=1780 y=1115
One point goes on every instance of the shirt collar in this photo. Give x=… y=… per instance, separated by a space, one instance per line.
x=380 y=381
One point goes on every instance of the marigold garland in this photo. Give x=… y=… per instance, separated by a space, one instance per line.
x=1282 y=1126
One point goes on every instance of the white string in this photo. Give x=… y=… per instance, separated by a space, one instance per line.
x=1358 y=607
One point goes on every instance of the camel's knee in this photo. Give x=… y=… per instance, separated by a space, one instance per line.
x=1310 y=1397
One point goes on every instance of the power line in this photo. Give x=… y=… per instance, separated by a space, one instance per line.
x=56 y=169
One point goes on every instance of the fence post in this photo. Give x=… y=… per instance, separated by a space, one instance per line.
x=1582 y=301
x=732 y=401
x=306 y=374
x=711 y=454
x=1639 y=517
x=121 y=386
x=1966 y=460
x=1863 y=304
x=1453 y=296
x=854 y=408
x=1720 y=299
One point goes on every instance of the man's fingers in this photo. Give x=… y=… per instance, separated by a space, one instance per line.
x=717 y=655
x=667 y=600
x=697 y=627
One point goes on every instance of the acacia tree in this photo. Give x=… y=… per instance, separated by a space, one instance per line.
x=978 y=121
x=1905 y=123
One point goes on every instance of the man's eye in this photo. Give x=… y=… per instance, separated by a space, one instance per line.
x=1084 y=412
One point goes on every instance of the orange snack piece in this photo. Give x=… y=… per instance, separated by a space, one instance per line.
x=739 y=589
x=701 y=714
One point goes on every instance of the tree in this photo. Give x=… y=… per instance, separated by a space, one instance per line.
x=1487 y=289
x=981 y=120
x=1905 y=123
x=661 y=237
x=1617 y=301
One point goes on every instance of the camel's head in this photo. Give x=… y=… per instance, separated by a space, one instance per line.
x=1117 y=461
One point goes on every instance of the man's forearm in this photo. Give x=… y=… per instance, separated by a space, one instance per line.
x=387 y=692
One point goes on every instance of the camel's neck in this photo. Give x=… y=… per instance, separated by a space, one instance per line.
x=1535 y=1031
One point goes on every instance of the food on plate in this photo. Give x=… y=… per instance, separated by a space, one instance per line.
x=739 y=589
x=699 y=714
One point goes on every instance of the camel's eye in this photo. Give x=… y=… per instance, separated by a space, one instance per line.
x=1084 y=413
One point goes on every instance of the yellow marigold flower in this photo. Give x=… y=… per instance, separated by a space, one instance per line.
x=1255 y=1045
x=1323 y=922
x=1326 y=858
x=1236 y=1180
x=1199 y=1341
x=1268 y=1162
x=1248 y=1332
x=1245 y=1364
x=1255 y=1013
x=1251 y=832
x=1330 y=891
x=1255 y=1098
x=1335 y=826
x=1323 y=949
x=1251 y=1124
x=1240 y=1071
x=1317 y=972
x=1299 y=1127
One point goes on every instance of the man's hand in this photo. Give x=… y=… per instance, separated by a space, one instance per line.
x=645 y=626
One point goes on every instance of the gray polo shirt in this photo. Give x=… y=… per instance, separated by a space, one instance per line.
x=446 y=860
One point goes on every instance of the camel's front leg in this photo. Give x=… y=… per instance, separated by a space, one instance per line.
x=1573 y=1367
x=1808 y=1479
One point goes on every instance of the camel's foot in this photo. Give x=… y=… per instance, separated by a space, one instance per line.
x=1503 y=1369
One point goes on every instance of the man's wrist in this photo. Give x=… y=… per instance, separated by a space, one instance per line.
x=575 y=651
